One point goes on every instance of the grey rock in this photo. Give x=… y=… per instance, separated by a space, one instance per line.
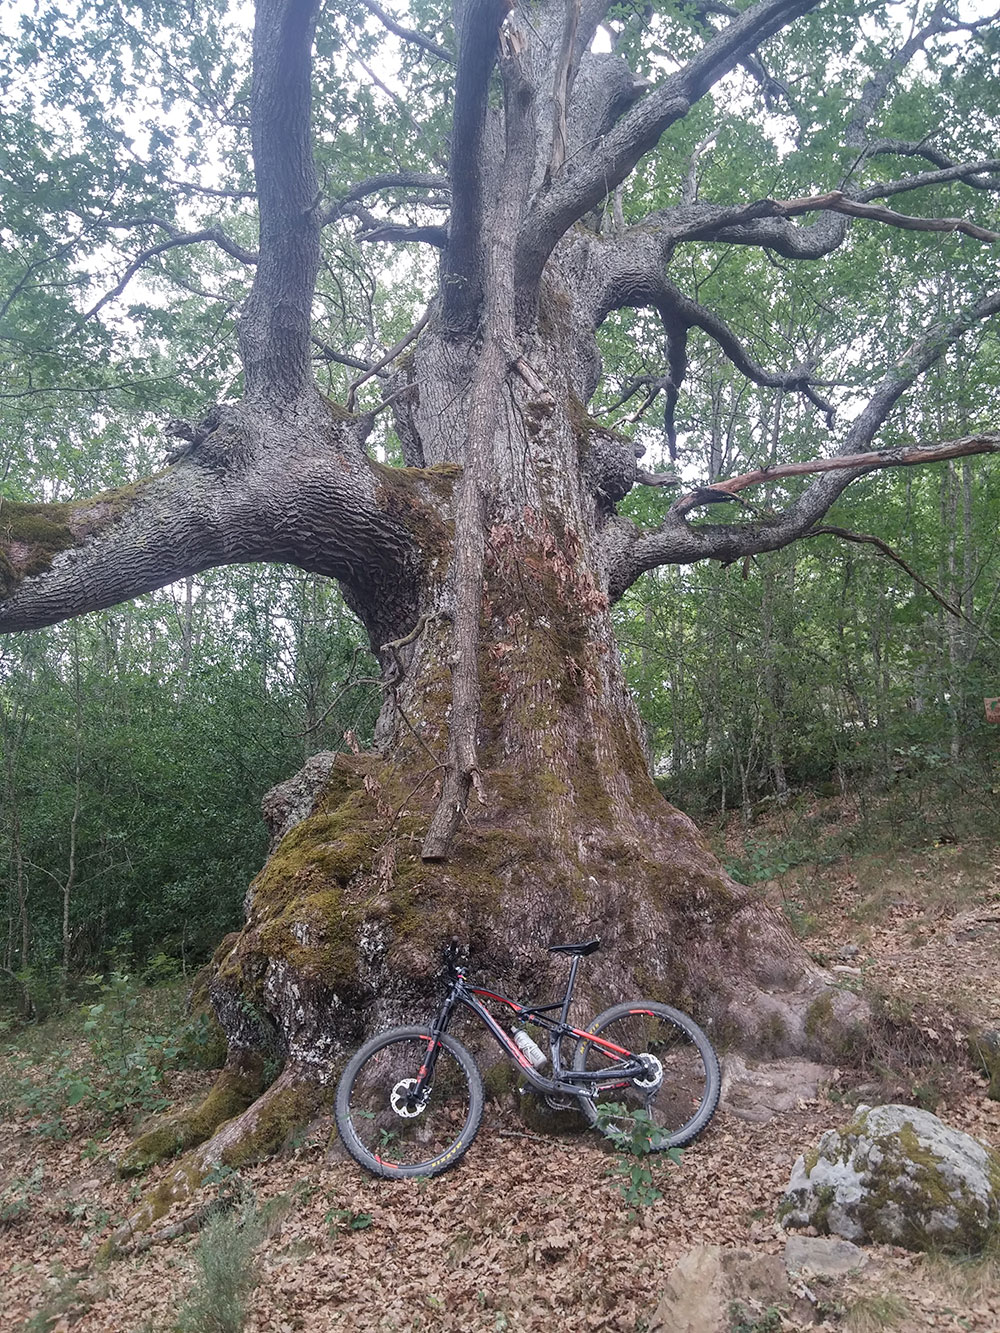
x=710 y=1283
x=824 y=1256
x=759 y=1092
x=897 y=1176
x=294 y=800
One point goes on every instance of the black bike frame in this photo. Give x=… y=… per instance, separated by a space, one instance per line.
x=569 y=1081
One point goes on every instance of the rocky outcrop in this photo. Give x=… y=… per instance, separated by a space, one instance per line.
x=898 y=1176
x=712 y=1288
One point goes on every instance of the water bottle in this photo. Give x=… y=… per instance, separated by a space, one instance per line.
x=533 y=1053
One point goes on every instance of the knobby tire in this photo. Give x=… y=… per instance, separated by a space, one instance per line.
x=688 y=1095
x=424 y=1144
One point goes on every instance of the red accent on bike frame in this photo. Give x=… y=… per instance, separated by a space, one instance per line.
x=599 y=1041
x=501 y=999
x=517 y=1053
x=512 y=1046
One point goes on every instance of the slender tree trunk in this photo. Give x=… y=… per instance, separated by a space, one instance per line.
x=69 y=883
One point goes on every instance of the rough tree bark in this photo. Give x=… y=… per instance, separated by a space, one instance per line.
x=507 y=800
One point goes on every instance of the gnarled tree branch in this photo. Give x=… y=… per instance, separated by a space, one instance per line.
x=680 y=542
x=247 y=488
x=596 y=171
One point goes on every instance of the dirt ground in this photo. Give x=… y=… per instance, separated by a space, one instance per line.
x=530 y=1232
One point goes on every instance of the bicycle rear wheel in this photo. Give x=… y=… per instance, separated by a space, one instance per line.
x=682 y=1091
x=384 y=1129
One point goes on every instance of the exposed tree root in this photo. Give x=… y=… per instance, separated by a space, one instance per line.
x=239 y=1083
x=185 y=1227
x=290 y=1102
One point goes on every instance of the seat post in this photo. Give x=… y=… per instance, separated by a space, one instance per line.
x=567 y=999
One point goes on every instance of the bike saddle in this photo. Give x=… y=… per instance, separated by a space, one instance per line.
x=588 y=946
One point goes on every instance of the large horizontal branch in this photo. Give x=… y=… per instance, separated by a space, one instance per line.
x=251 y=489
x=399 y=233
x=983 y=175
x=908 y=455
x=926 y=151
x=677 y=541
x=837 y=202
x=627 y=269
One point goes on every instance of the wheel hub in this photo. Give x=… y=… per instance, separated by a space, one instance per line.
x=654 y=1073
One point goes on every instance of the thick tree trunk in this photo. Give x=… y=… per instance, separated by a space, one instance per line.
x=568 y=836
x=482 y=571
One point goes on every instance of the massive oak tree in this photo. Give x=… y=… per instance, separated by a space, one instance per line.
x=507 y=799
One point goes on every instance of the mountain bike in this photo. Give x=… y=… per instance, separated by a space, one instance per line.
x=410 y=1102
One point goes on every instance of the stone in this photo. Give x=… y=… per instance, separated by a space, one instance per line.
x=710 y=1285
x=293 y=800
x=897 y=1176
x=823 y=1256
x=759 y=1092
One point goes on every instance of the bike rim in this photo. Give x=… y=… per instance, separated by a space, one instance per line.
x=388 y=1127
x=683 y=1091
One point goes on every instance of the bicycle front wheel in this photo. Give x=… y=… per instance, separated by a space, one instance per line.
x=380 y=1123
x=681 y=1090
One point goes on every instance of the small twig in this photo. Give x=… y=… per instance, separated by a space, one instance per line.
x=392 y=646
x=866 y=539
x=410 y=794
x=393 y=398
x=389 y=685
x=391 y=355
x=518 y=1134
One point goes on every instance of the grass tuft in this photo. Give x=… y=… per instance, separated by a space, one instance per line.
x=227 y=1274
x=876 y=1310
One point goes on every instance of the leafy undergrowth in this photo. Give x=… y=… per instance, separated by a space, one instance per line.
x=531 y=1232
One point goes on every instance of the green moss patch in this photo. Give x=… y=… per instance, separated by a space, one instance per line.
x=32 y=535
x=234 y=1090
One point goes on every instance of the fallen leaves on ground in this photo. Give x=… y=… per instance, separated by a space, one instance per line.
x=529 y=1233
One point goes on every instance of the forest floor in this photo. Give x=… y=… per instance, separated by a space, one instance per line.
x=530 y=1232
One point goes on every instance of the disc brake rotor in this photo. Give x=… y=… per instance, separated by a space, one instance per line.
x=402 y=1099
x=654 y=1076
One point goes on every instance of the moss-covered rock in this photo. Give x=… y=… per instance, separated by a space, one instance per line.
x=898 y=1176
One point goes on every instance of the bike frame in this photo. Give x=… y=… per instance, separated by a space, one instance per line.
x=566 y=1081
